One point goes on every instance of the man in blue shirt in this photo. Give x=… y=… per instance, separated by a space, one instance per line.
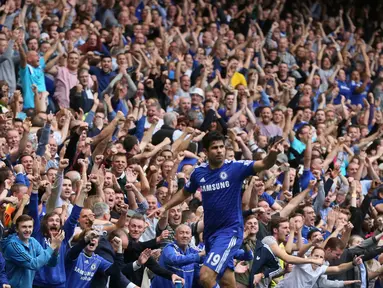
x=179 y=258
x=104 y=74
x=24 y=255
x=358 y=88
x=220 y=182
x=81 y=263
x=31 y=72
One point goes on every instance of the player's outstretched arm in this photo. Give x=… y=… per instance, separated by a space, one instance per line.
x=270 y=159
x=177 y=199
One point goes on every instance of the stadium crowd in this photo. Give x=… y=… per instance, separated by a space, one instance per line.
x=136 y=136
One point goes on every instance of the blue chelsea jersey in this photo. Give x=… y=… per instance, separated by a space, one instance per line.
x=82 y=270
x=221 y=195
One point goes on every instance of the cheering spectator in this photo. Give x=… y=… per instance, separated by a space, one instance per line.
x=83 y=253
x=112 y=108
x=24 y=256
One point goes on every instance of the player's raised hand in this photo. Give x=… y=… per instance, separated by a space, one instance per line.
x=277 y=147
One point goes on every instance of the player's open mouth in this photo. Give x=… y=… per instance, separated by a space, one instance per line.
x=91 y=245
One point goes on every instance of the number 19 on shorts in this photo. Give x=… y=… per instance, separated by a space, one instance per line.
x=213 y=259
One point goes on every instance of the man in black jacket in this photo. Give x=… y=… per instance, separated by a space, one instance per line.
x=357 y=246
x=134 y=250
x=80 y=96
x=168 y=130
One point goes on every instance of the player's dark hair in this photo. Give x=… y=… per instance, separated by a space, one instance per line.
x=212 y=137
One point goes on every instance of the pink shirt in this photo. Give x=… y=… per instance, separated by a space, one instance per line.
x=64 y=81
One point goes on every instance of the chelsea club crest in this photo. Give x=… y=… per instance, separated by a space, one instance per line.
x=223 y=175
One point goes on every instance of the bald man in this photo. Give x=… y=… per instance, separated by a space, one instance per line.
x=31 y=72
x=179 y=258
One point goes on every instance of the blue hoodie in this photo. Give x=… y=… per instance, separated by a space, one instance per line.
x=52 y=276
x=179 y=262
x=23 y=260
x=3 y=274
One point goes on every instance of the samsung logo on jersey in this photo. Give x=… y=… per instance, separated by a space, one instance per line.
x=215 y=186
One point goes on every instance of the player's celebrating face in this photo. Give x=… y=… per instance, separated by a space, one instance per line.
x=214 y=144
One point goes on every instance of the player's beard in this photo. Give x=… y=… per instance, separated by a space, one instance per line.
x=216 y=161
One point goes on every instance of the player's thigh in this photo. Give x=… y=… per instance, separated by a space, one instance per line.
x=220 y=253
x=228 y=279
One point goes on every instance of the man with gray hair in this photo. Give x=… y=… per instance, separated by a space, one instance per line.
x=168 y=130
x=102 y=221
x=101 y=211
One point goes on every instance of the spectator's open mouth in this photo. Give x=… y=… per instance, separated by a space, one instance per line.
x=54 y=230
